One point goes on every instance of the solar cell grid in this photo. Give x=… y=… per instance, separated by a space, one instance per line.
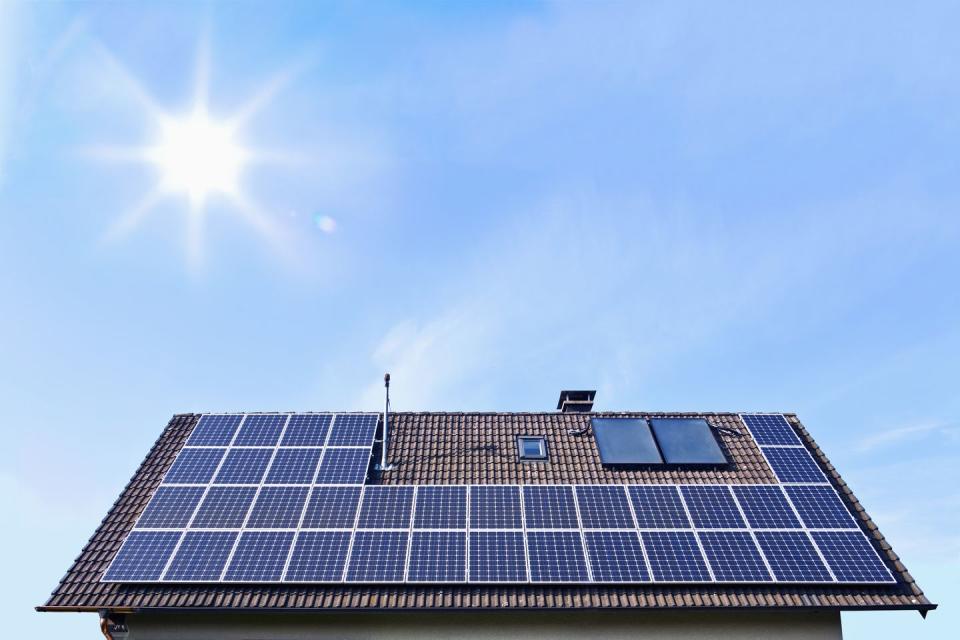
x=332 y=508
x=214 y=430
x=343 y=466
x=244 y=466
x=293 y=466
x=733 y=556
x=765 y=507
x=674 y=556
x=277 y=508
x=377 y=556
x=549 y=507
x=792 y=557
x=616 y=556
x=385 y=507
x=170 y=508
x=143 y=556
x=260 y=431
x=556 y=556
x=224 y=508
x=441 y=507
x=712 y=507
x=495 y=507
x=259 y=556
x=201 y=556
x=353 y=430
x=318 y=556
x=851 y=557
x=658 y=507
x=306 y=430
x=194 y=466
x=604 y=507
x=497 y=556
x=820 y=507
x=438 y=556
x=793 y=464
x=770 y=428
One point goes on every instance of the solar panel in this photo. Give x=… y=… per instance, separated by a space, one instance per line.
x=377 y=556
x=306 y=430
x=733 y=556
x=353 y=430
x=318 y=556
x=438 y=556
x=851 y=557
x=260 y=431
x=792 y=557
x=497 y=556
x=820 y=507
x=171 y=507
x=278 y=508
x=293 y=466
x=712 y=507
x=625 y=441
x=385 y=507
x=259 y=557
x=244 y=466
x=616 y=556
x=658 y=507
x=549 y=507
x=214 y=430
x=332 y=508
x=194 y=466
x=343 y=466
x=223 y=508
x=604 y=507
x=556 y=556
x=201 y=556
x=674 y=556
x=441 y=507
x=687 y=441
x=142 y=557
x=495 y=507
x=770 y=428
x=765 y=507
x=793 y=464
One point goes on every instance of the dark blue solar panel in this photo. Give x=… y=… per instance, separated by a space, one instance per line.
x=214 y=431
x=497 y=556
x=820 y=507
x=687 y=441
x=712 y=507
x=792 y=557
x=495 y=507
x=765 y=507
x=793 y=464
x=625 y=441
x=332 y=508
x=674 y=556
x=343 y=466
x=438 y=556
x=353 y=430
x=194 y=466
x=771 y=428
x=385 y=507
x=549 y=507
x=556 y=556
x=658 y=507
x=616 y=556
x=604 y=507
x=377 y=556
x=318 y=556
x=170 y=508
x=143 y=556
x=851 y=557
x=259 y=557
x=440 y=507
x=293 y=466
x=278 y=508
x=260 y=431
x=201 y=556
x=244 y=466
x=224 y=508
x=306 y=430
x=734 y=556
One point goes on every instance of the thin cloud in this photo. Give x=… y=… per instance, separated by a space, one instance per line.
x=914 y=431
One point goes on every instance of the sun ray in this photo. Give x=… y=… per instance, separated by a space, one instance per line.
x=270 y=90
x=136 y=89
x=133 y=217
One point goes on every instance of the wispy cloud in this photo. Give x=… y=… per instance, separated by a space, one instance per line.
x=914 y=432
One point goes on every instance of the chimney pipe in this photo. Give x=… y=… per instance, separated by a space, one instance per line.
x=386 y=424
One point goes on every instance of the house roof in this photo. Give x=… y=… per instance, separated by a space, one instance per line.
x=479 y=448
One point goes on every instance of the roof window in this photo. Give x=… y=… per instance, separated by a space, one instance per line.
x=532 y=447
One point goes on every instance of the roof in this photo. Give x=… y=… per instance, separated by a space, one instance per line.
x=479 y=448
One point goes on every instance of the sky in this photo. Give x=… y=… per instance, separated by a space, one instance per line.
x=686 y=206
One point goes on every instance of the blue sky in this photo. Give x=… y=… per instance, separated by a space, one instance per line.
x=684 y=205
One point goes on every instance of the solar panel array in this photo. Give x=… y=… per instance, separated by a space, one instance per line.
x=283 y=499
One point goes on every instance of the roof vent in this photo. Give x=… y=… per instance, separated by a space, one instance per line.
x=576 y=401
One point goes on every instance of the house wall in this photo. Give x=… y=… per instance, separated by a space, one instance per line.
x=549 y=625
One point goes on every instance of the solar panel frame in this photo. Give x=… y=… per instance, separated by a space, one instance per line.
x=171 y=507
x=712 y=507
x=343 y=465
x=734 y=556
x=441 y=507
x=246 y=562
x=820 y=507
x=430 y=551
x=365 y=566
x=246 y=465
x=148 y=552
x=386 y=507
x=617 y=556
x=556 y=556
x=770 y=429
x=851 y=558
x=297 y=465
x=261 y=430
x=330 y=562
x=215 y=430
x=224 y=507
x=604 y=506
x=765 y=506
x=675 y=556
x=549 y=506
x=195 y=465
x=793 y=465
x=201 y=556
x=792 y=557
x=307 y=430
x=495 y=506
x=353 y=430
x=643 y=496
x=508 y=550
x=332 y=507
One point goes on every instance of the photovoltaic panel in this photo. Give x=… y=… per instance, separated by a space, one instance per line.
x=306 y=430
x=658 y=507
x=244 y=466
x=497 y=556
x=441 y=507
x=604 y=507
x=385 y=507
x=792 y=557
x=851 y=557
x=259 y=557
x=770 y=428
x=224 y=508
x=674 y=556
x=377 y=556
x=793 y=464
x=712 y=507
x=171 y=507
x=318 y=556
x=495 y=507
x=332 y=508
x=260 y=431
x=278 y=508
x=201 y=556
x=765 y=507
x=343 y=466
x=733 y=556
x=820 y=507
x=194 y=466
x=616 y=556
x=556 y=556
x=143 y=556
x=293 y=466
x=438 y=556
x=214 y=430
x=549 y=507
x=353 y=430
